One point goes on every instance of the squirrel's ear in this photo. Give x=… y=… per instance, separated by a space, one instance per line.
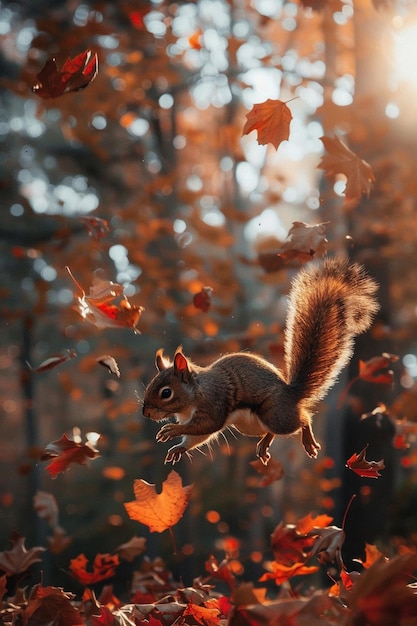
x=181 y=365
x=161 y=362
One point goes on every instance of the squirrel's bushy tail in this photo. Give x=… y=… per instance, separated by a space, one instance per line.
x=329 y=304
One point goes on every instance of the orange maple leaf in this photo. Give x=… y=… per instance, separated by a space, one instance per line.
x=271 y=119
x=341 y=160
x=280 y=573
x=159 y=511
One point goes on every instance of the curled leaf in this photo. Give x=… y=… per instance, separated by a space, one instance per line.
x=364 y=468
x=108 y=361
x=53 y=361
x=106 y=307
x=74 y=75
x=63 y=452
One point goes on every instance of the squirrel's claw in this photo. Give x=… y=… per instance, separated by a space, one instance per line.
x=168 y=432
x=262 y=448
x=310 y=444
x=174 y=454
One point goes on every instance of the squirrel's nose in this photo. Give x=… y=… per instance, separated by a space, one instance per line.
x=145 y=411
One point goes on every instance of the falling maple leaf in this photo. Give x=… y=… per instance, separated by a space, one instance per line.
x=280 y=573
x=106 y=307
x=159 y=511
x=74 y=75
x=62 y=452
x=202 y=299
x=341 y=160
x=364 y=468
x=18 y=559
x=104 y=566
x=271 y=119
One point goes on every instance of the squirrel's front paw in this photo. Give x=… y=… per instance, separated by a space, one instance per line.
x=168 y=432
x=174 y=454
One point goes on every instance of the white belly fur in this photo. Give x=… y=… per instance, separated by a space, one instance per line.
x=246 y=422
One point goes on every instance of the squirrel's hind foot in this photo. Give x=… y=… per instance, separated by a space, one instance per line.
x=310 y=444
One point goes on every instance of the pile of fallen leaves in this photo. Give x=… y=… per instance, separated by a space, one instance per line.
x=382 y=593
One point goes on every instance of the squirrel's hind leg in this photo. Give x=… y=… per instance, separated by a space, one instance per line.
x=310 y=443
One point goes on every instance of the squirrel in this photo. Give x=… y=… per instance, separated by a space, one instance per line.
x=329 y=304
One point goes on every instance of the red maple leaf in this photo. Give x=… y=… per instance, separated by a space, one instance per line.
x=104 y=566
x=271 y=119
x=74 y=75
x=364 y=468
x=62 y=452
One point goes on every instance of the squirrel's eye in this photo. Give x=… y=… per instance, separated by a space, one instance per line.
x=165 y=393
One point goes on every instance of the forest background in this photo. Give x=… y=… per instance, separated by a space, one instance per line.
x=144 y=178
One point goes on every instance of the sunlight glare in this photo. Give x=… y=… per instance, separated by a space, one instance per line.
x=405 y=55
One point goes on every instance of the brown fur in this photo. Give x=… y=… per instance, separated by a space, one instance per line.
x=329 y=304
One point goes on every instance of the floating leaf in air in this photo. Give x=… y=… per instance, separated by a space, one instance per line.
x=104 y=566
x=271 y=119
x=359 y=464
x=110 y=363
x=341 y=160
x=63 y=452
x=53 y=361
x=159 y=511
x=74 y=75
x=106 y=306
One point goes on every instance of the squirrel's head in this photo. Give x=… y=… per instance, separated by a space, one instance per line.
x=170 y=391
